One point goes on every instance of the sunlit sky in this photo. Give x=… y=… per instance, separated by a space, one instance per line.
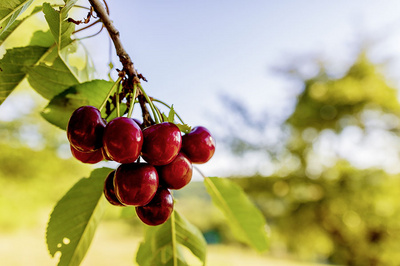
x=194 y=51
x=191 y=51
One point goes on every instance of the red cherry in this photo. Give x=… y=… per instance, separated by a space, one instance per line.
x=105 y=155
x=138 y=122
x=177 y=173
x=159 y=208
x=136 y=183
x=91 y=157
x=85 y=129
x=109 y=192
x=198 y=145
x=161 y=144
x=123 y=140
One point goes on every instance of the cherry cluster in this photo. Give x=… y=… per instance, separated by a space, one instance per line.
x=168 y=157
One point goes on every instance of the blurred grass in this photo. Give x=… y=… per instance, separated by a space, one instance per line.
x=116 y=243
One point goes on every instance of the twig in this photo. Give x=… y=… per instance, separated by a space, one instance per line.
x=124 y=58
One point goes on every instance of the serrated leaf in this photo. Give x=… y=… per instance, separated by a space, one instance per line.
x=14 y=67
x=6 y=33
x=62 y=105
x=9 y=12
x=157 y=248
x=51 y=79
x=58 y=24
x=245 y=220
x=75 y=218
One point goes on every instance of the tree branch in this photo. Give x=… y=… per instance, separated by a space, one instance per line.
x=124 y=58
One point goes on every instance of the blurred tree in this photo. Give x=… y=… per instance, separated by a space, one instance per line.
x=35 y=163
x=319 y=203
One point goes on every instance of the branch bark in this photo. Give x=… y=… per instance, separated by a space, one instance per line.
x=124 y=57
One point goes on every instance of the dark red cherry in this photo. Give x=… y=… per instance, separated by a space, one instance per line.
x=105 y=155
x=198 y=145
x=85 y=129
x=138 y=122
x=123 y=140
x=91 y=157
x=135 y=184
x=162 y=143
x=109 y=192
x=177 y=173
x=158 y=210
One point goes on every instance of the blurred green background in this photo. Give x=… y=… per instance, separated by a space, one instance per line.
x=323 y=205
x=323 y=168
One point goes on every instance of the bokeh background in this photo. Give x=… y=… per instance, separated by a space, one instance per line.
x=302 y=98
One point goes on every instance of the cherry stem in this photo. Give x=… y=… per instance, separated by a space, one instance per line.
x=88 y=26
x=132 y=100
x=109 y=93
x=163 y=103
x=153 y=109
x=200 y=172
x=117 y=100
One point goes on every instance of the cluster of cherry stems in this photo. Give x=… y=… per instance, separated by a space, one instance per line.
x=168 y=157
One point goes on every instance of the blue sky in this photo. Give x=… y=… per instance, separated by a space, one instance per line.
x=193 y=51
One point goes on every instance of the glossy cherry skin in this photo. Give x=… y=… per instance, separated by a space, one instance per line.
x=158 y=210
x=109 y=192
x=198 y=145
x=91 y=157
x=85 y=129
x=177 y=173
x=138 y=122
x=123 y=140
x=135 y=184
x=105 y=155
x=162 y=143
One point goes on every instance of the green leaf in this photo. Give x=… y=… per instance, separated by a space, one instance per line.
x=75 y=218
x=245 y=220
x=14 y=66
x=6 y=33
x=51 y=79
x=185 y=128
x=10 y=10
x=58 y=24
x=158 y=247
x=43 y=39
x=171 y=115
x=61 y=106
x=17 y=62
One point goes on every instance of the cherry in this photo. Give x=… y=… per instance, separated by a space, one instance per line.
x=138 y=122
x=176 y=174
x=198 y=145
x=105 y=155
x=123 y=140
x=159 y=208
x=135 y=184
x=108 y=190
x=91 y=157
x=161 y=144
x=85 y=129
